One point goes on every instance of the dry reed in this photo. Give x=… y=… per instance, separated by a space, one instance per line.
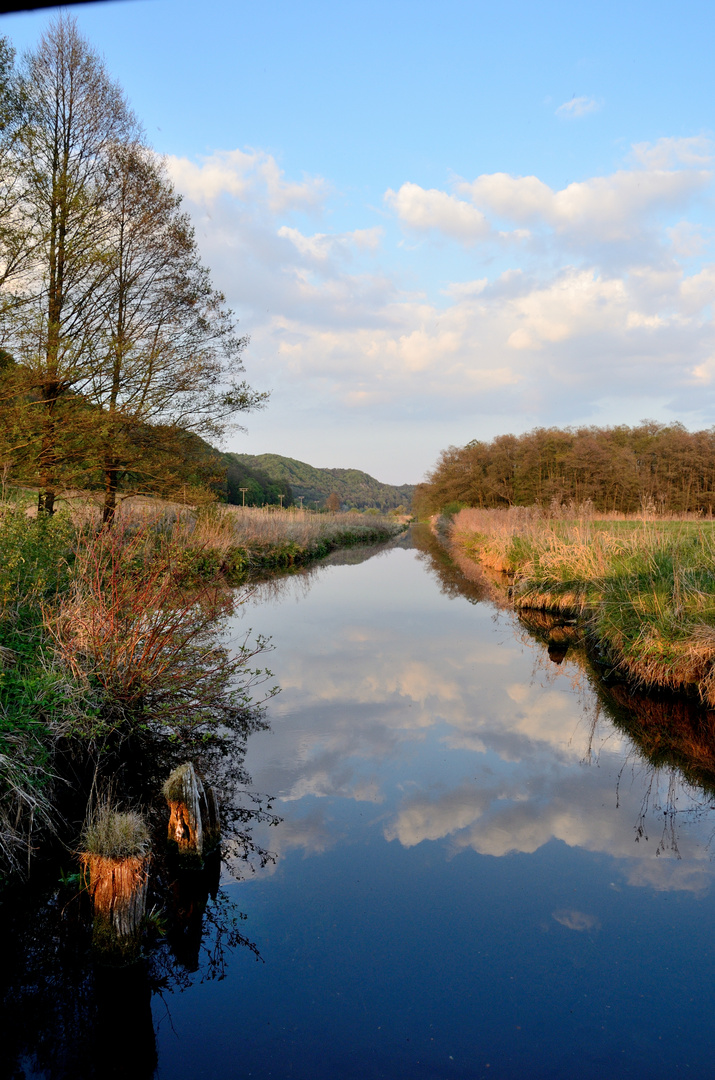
x=645 y=588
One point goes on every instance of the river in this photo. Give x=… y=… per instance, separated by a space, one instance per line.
x=476 y=874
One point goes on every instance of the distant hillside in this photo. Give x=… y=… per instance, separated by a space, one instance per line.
x=260 y=486
x=353 y=488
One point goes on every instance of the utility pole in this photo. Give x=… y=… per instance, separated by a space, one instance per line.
x=301 y=497
x=244 y=490
x=281 y=499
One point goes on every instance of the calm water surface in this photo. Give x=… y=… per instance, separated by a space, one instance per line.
x=475 y=875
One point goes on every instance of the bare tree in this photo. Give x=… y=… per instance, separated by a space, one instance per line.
x=169 y=355
x=74 y=115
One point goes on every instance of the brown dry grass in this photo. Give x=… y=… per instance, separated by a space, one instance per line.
x=645 y=588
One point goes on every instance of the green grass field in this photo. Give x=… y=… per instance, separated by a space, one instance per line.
x=644 y=588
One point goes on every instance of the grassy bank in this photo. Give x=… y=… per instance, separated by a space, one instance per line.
x=111 y=647
x=237 y=540
x=643 y=589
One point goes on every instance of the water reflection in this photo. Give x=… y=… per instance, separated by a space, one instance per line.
x=65 y=1015
x=488 y=856
x=466 y=726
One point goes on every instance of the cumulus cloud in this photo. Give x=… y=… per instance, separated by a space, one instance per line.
x=426 y=209
x=245 y=175
x=604 y=208
x=569 y=290
x=695 y=150
x=578 y=107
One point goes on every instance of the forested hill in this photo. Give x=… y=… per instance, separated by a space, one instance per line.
x=353 y=487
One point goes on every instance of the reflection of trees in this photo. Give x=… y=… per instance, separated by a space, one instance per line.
x=298 y=580
x=672 y=738
x=468 y=580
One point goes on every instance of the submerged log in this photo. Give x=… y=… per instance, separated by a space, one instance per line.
x=193 y=813
x=118 y=889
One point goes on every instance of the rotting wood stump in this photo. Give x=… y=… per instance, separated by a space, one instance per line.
x=193 y=814
x=118 y=890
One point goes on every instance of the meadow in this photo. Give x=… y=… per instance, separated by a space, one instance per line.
x=642 y=588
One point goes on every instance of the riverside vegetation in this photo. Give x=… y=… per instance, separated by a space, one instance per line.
x=612 y=527
x=119 y=358
x=114 y=669
x=642 y=590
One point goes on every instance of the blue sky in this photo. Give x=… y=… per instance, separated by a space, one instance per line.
x=438 y=222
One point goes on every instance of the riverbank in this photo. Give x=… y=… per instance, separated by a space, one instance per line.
x=642 y=590
x=111 y=650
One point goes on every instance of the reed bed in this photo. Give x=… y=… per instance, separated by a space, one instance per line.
x=644 y=587
x=109 y=635
x=236 y=540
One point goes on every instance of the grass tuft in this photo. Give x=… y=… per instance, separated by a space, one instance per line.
x=115 y=834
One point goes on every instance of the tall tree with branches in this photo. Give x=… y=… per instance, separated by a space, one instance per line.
x=75 y=115
x=168 y=356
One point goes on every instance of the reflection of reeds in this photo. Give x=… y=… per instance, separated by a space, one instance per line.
x=645 y=589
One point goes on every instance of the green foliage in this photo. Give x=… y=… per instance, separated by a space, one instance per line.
x=650 y=468
x=260 y=488
x=353 y=487
x=35 y=561
x=452 y=508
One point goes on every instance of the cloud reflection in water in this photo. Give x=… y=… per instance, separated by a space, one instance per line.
x=438 y=714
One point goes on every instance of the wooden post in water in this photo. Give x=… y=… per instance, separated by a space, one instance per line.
x=116 y=869
x=209 y=817
x=118 y=888
x=193 y=814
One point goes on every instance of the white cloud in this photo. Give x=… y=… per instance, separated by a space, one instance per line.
x=423 y=210
x=688 y=239
x=593 y=294
x=603 y=208
x=667 y=152
x=244 y=175
x=321 y=246
x=577 y=107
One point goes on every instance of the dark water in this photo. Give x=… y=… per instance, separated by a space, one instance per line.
x=477 y=874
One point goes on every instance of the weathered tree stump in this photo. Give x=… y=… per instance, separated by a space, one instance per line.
x=193 y=814
x=118 y=890
x=209 y=817
x=116 y=861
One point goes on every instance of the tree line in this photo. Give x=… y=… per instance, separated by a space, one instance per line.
x=117 y=350
x=660 y=467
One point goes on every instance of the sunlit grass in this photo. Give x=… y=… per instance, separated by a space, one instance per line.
x=645 y=587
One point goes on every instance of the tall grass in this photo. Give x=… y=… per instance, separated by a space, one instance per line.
x=645 y=588
x=108 y=634
x=234 y=540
